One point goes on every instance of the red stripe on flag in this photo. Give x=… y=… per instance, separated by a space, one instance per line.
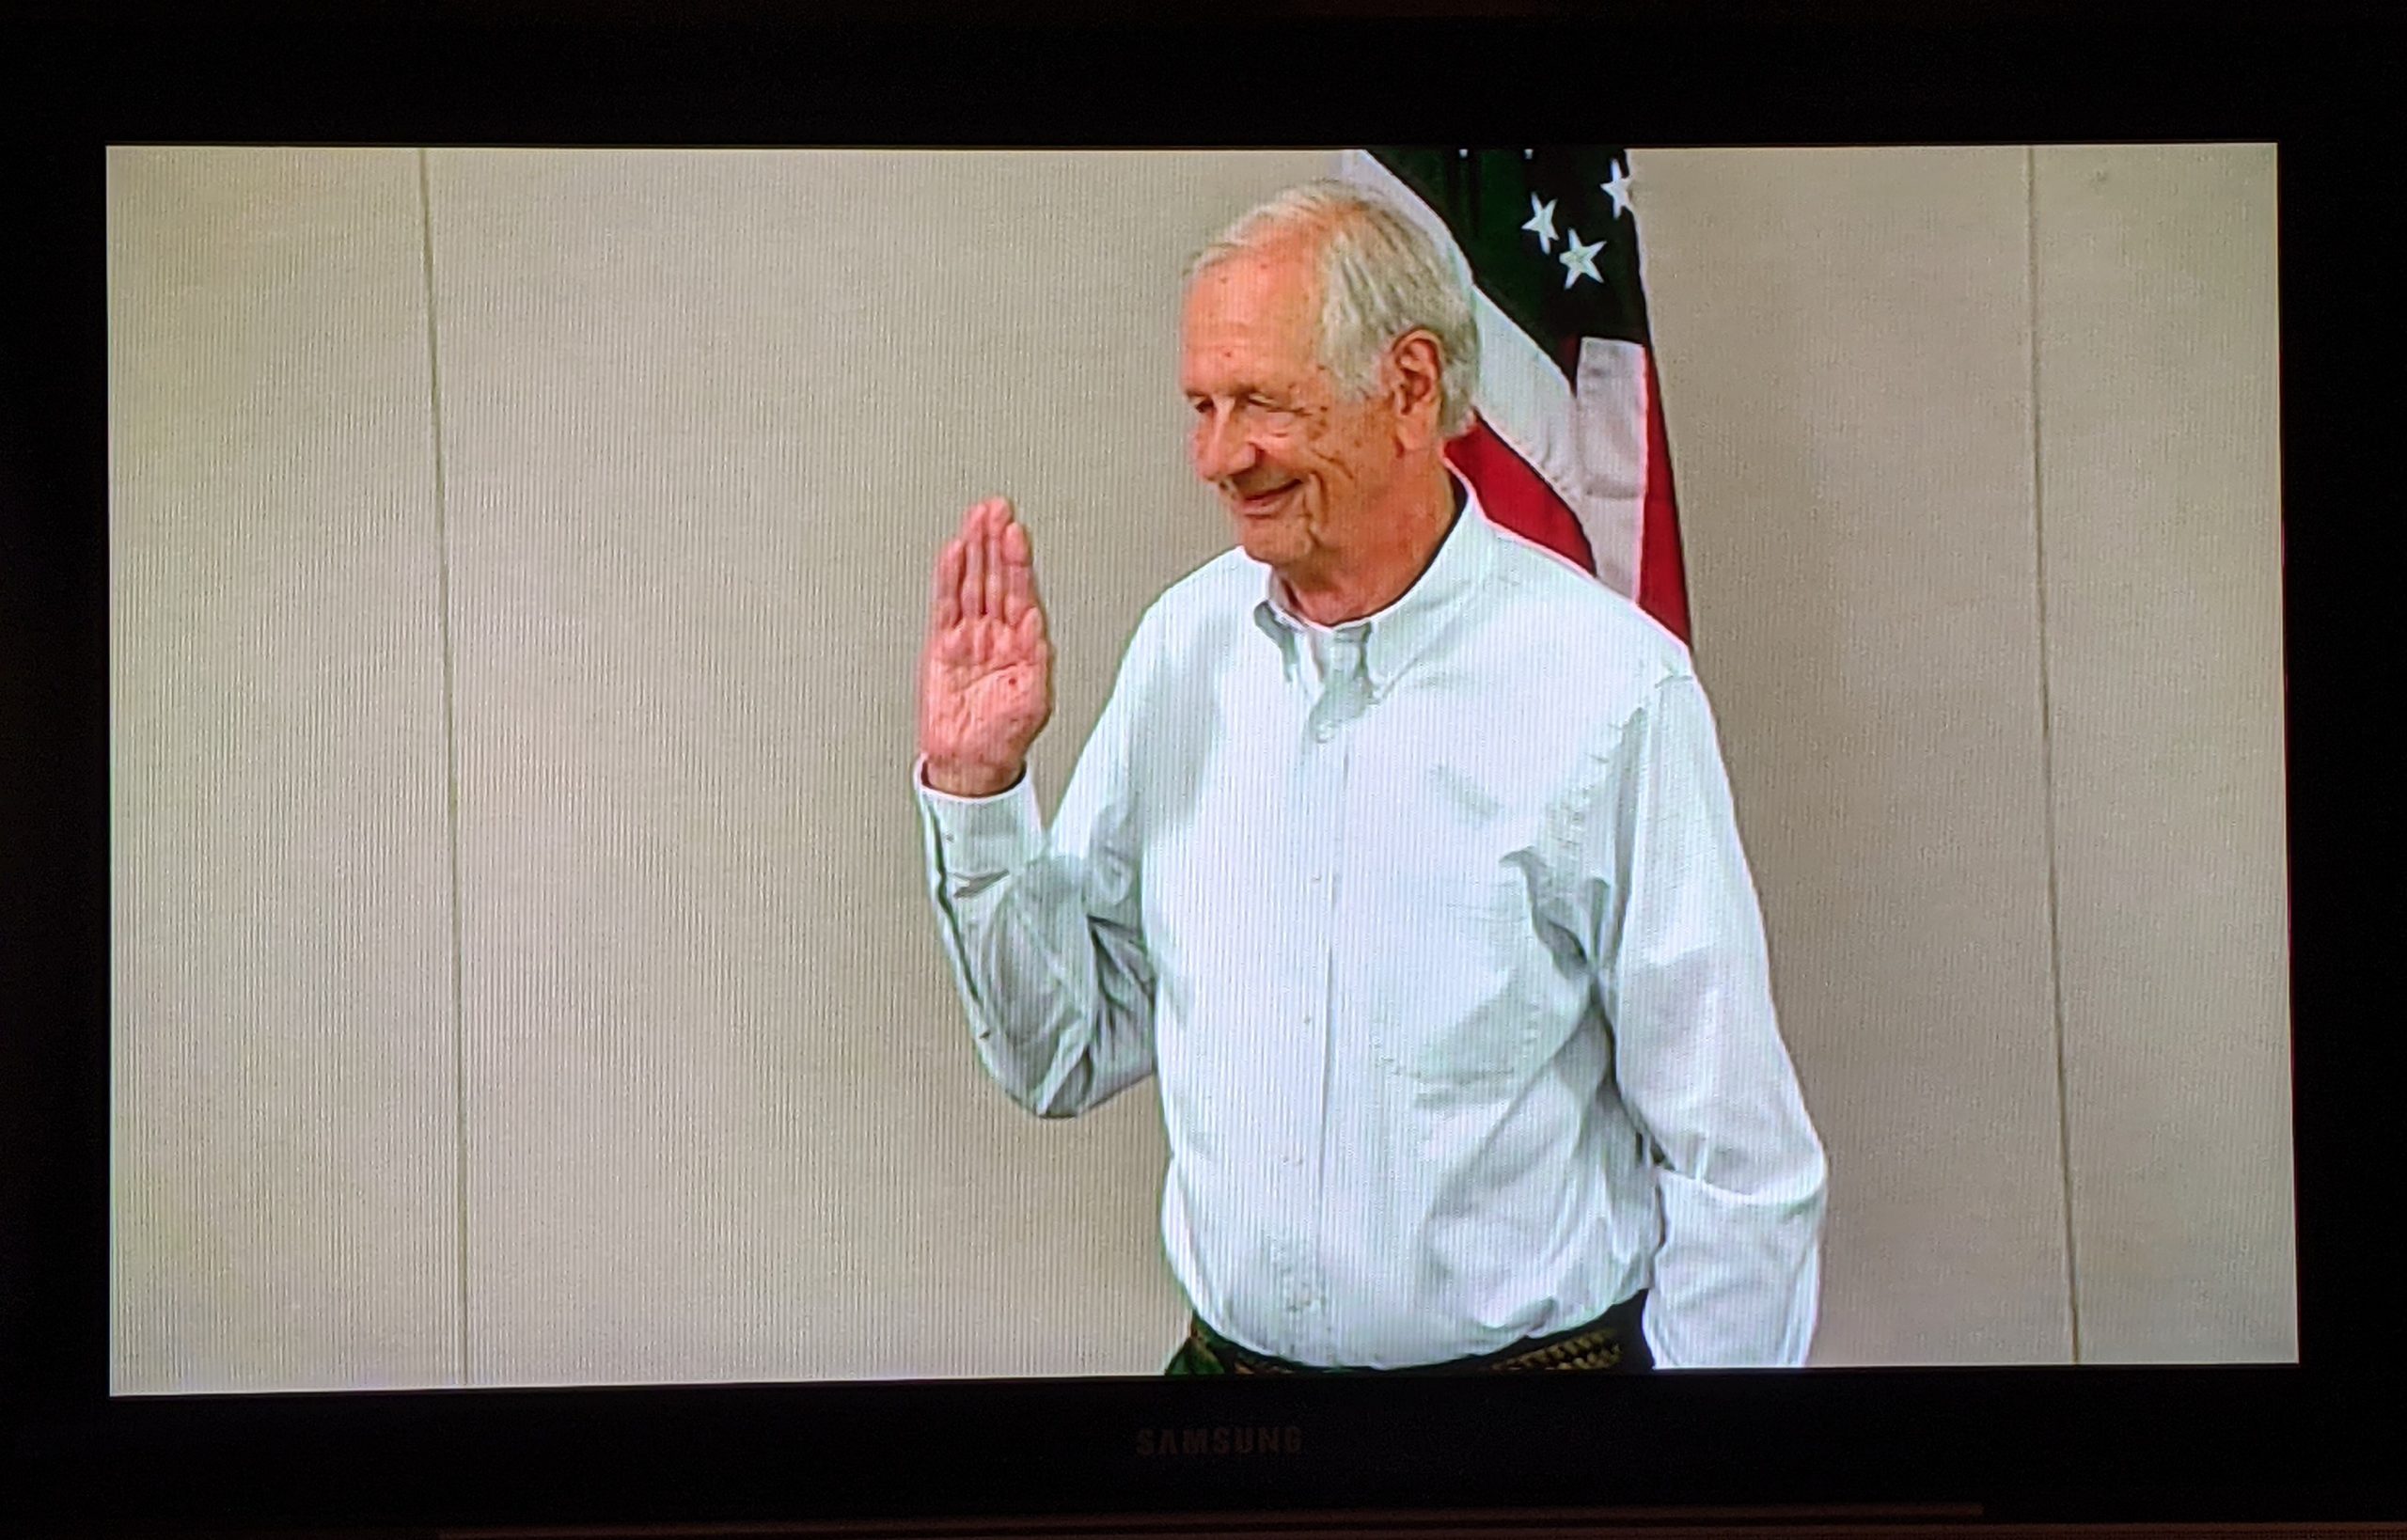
x=1662 y=584
x=1517 y=497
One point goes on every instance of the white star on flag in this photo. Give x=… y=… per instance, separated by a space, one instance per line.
x=1617 y=189
x=1568 y=447
x=1542 y=223
x=1579 y=261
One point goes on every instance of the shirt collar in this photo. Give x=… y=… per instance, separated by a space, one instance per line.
x=1400 y=633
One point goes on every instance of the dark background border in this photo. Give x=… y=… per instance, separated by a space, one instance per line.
x=2321 y=1441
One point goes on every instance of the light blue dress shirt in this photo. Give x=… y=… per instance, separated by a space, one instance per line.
x=1435 y=931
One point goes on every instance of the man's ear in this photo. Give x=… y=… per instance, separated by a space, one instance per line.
x=1413 y=367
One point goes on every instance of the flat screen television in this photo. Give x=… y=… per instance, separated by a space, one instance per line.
x=493 y=1043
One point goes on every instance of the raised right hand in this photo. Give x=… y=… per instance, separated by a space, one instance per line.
x=986 y=675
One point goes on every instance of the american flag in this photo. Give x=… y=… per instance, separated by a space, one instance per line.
x=1569 y=448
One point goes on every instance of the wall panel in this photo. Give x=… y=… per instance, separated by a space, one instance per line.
x=1843 y=339
x=281 y=1029
x=2160 y=500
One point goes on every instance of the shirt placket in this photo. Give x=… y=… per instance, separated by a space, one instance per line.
x=1325 y=753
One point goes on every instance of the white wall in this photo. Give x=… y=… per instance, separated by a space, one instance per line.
x=2163 y=567
x=1976 y=449
x=284 y=1155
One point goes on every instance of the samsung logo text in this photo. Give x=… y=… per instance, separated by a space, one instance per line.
x=1153 y=1443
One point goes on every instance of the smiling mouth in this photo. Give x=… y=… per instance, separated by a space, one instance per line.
x=1265 y=502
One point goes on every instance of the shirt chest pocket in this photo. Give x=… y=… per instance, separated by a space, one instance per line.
x=1445 y=978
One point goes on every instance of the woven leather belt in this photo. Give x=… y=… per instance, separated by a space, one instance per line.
x=1603 y=1343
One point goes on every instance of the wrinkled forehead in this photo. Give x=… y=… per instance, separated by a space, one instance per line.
x=1249 y=319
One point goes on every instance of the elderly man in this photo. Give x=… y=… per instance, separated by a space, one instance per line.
x=1402 y=855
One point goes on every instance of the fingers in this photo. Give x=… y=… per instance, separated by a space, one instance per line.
x=998 y=520
x=975 y=548
x=945 y=602
x=987 y=571
x=1019 y=577
x=952 y=590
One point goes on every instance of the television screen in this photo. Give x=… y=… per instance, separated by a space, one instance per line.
x=1798 y=875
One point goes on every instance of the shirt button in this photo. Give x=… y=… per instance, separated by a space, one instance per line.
x=1321 y=733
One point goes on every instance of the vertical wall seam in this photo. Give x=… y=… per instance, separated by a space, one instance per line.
x=451 y=771
x=2048 y=751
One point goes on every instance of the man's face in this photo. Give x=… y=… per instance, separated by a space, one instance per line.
x=1299 y=467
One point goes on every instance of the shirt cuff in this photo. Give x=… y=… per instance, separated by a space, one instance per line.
x=981 y=835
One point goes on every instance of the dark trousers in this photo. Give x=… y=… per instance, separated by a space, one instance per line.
x=1613 y=1342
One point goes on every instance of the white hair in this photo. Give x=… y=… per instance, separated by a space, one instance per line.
x=1380 y=277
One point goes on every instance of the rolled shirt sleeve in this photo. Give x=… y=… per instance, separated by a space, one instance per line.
x=1043 y=931
x=1683 y=977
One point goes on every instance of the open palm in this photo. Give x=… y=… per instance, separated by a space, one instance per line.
x=986 y=676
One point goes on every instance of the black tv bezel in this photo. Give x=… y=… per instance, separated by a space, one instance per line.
x=2307 y=1440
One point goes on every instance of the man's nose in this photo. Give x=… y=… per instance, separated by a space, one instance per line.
x=1221 y=448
